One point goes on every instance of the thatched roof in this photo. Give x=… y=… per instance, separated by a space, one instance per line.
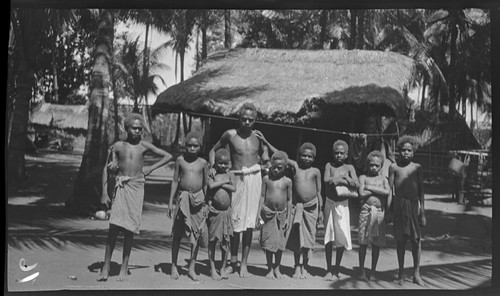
x=61 y=116
x=293 y=82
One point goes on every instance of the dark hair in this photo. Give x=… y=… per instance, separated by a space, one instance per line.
x=222 y=152
x=248 y=106
x=193 y=134
x=308 y=145
x=341 y=143
x=279 y=155
x=129 y=120
x=373 y=154
x=408 y=139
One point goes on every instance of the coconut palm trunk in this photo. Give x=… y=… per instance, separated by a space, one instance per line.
x=27 y=37
x=86 y=192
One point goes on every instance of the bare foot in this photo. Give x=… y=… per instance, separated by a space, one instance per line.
x=328 y=276
x=229 y=269
x=362 y=275
x=336 y=277
x=277 y=273
x=298 y=274
x=418 y=280
x=123 y=276
x=305 y=274
x=244 y=272
x=223 y=274
x=373 y=277
x=401 y=278
x=174 y=274
x=104 y=275
x=192 y=275
x=214 y=275
x=270 y=275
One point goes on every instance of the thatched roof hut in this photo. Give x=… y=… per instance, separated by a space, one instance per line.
x=293 y=86
x=61 y=116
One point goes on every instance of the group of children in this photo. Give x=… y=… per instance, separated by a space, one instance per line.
x=290 y=209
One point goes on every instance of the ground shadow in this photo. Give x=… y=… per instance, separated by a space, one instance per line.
x=463 y=275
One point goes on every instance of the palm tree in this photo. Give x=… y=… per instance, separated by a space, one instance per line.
x=98 y=132
x=28 y=26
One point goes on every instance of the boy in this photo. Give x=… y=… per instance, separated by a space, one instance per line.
x=373 y=192
x=307 y=210
x=247 y=155
x=126 y=161
x=406 y=182
x=336 y=215
x=221 y=187
x=275 y=206
x=189 y=186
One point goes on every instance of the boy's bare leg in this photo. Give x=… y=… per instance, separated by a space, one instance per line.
x=362 y=256
x=298 y=270
x=401 y=260
x=223 y=272
x=127 y=248
x=211 y=256
x=246 y=241
x=192 y=262
x=269 y=259
x=235 y=244
x=305 y=263
x=375 y=255
x=277 y=259
x=176 y=242
x=416 y=251
x=110 y=246
x=338 y=259
x=328 y=256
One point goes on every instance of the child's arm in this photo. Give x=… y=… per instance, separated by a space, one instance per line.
x=230 y=185
x=331 y=180
x=166 y=157
x=173 y=188
x=353 y=181
x=390 y=184
x=205 y=177
x=364 y=193
x=318 y=196
x=293 y=164
x=104 y=195
x=289 y=204
x=379 y=191
x=420 y=177
x=261 y=201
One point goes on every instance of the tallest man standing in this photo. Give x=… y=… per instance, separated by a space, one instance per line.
x=247 y=154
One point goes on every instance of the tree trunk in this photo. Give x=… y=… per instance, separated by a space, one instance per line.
x=453 y=71
x=352 y=40
x=27 y=37
x=177 y=130
x=323 y=21
x=181 y=58
x=204 y=38
x=227 y=28
x=360 y=42
x=197 y=49
x=87 y=189
x=54 y=69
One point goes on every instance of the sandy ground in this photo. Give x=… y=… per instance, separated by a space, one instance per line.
x=69 y=250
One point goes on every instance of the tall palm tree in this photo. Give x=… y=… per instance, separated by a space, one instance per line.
x=98 y=132
x=28 y=26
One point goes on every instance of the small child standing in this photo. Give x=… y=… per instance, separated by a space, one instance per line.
x=336 y=213
x=275 y=206
x=189 y=185
x=406 y=182
x=306 y=213
x=373 y=192
x=221 y=187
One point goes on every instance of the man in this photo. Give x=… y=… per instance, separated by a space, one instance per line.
x=247 y=154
